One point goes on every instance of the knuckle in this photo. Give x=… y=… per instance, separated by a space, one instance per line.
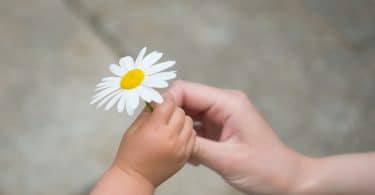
x=167 y=106
x=174 y=143
x=163 y=110
x=168 y=101
x=168 y=98
x=172 y=101
x=169 y=140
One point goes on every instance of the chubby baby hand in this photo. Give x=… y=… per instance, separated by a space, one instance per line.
x=157 y=144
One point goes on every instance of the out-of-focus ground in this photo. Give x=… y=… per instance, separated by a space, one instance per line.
x=308 y=66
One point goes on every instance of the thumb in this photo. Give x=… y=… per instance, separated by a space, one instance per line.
x=209 y=153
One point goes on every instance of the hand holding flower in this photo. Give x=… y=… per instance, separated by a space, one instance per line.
x=153 y=149
x=158 y=144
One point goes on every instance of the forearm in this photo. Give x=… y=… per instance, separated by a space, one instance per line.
x=342 y=174
x=116 y=181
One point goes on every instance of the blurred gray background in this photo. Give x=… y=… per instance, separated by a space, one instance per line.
x=307 y=65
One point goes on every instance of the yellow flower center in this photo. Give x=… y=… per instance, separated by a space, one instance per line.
x=132 y=79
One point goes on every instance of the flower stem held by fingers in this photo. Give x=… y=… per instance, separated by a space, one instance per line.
x=149 y=107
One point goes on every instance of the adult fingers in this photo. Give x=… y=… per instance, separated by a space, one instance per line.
x=197 y=98
x=187 y=129
x=191 y=143
x=209 y=153
x=143 y=116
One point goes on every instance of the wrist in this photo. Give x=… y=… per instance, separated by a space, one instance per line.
x=133 y=176
x=288 y=173
x=305 y=181
x=118 y=181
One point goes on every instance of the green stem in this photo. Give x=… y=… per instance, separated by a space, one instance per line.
x=149 y=107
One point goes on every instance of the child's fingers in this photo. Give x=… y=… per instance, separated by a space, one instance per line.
x=191 y=142
x=163 y=112
x=177 y=120
x=143 y=116
x=187 y=129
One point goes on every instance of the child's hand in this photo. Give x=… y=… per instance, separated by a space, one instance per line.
x=157 y=144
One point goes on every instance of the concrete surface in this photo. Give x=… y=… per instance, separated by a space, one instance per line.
x=307 y=65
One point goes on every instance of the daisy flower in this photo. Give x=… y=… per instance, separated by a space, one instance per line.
x=133 y=80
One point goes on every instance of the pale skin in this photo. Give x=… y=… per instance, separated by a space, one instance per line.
x=237 y=143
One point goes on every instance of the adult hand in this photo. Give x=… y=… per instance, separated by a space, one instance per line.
x=235 y=141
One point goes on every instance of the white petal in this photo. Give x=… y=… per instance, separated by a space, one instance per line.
x=155 y=82
x=130 y=111
x=133 y=99
x=132 y=102
x=113 y=101
x=141 y=91
x=149 y=94
x=104 y=83
x=102 y=88
x=107 y=98
x=164 y=75
x=160 y=67
x=140 y=57
x=121 y=103
x=107 y=84
x=127 y=63
x=116 y=70
x=151 y=59
x=102 y=94
x=110 y=78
